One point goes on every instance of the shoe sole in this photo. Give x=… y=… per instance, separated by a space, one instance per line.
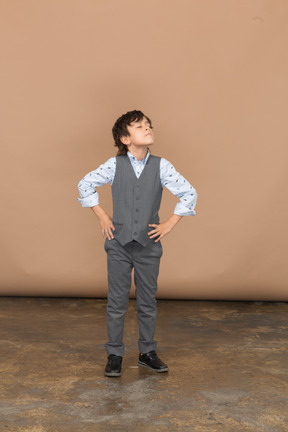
x=113 y=374
x=154 y=370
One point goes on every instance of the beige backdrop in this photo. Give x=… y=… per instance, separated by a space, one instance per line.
x=212 y=76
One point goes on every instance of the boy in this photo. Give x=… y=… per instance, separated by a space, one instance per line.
x=132 y=237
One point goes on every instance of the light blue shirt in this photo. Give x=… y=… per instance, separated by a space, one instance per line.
x=169 y=178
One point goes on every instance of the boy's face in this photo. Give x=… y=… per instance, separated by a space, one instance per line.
x=140 y=134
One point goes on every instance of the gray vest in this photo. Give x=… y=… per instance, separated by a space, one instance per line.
x=136 y=202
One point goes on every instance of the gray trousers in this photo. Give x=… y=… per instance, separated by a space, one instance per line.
x=120 y=262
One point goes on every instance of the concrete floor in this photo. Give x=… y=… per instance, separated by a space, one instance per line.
x=228 y=368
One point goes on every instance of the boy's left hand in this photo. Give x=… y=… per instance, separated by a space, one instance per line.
x=164 y=228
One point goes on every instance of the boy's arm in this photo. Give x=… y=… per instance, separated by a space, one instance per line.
x=105 y=222
x=89 y=195
x=88 y=185
x=180 y=187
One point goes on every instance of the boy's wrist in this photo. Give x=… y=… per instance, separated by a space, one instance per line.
x=174 y=219
x=98 y=211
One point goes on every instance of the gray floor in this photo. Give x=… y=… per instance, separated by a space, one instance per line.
x=228 y=368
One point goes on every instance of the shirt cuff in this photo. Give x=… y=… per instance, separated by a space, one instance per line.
x=89 y=201
x=181 y=210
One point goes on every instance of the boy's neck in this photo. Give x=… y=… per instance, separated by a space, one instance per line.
x=139 y=153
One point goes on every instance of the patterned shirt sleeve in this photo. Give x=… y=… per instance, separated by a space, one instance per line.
x=179 y=187
x=99 y=177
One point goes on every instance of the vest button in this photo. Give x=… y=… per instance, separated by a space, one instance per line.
x=135 y=221
x=136 y=210
x=135 y=233
x=137 y=198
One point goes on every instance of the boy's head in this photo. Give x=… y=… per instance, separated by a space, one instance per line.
x=120 y=128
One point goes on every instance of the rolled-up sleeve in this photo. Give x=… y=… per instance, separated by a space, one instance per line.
x=179 y=187
x=87 y=187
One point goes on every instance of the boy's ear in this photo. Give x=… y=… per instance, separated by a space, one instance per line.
x=125 y=140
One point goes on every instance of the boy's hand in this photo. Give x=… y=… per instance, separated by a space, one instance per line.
x=107 y=227
x=164 y=228
x=105 y=222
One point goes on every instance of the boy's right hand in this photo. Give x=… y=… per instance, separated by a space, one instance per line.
x=105 y=222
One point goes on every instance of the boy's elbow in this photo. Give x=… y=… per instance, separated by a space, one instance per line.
x=80 y=186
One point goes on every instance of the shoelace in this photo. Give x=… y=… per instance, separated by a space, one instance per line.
x=152 y=355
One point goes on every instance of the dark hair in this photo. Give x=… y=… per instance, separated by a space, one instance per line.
x=120 y=128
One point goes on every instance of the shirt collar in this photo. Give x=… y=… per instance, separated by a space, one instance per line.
x=133 y=158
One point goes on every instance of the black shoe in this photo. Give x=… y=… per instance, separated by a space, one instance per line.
x=152 y=361
x=113 y=366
